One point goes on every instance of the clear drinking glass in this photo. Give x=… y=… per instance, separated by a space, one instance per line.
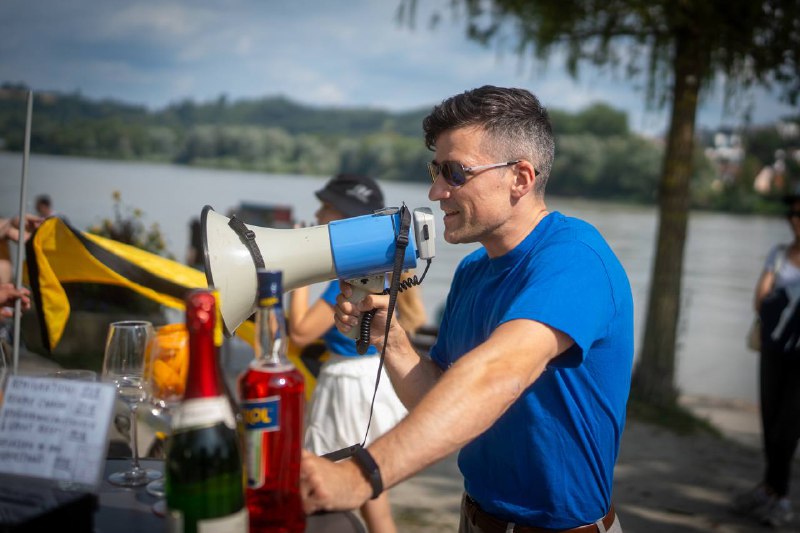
x=124 y=365
x=74 y=374
x=165 y=371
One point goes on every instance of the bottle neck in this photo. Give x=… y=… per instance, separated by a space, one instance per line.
x=204 y=378
x=271 y=340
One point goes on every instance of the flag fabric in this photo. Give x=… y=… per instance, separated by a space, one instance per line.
x=58 y=253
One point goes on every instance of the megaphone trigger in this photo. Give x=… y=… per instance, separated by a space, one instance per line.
x=361 y=288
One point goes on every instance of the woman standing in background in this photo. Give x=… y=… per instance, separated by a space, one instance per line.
x=777 y=296
x=339 y=410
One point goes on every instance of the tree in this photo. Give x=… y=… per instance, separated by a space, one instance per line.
x=680 y=46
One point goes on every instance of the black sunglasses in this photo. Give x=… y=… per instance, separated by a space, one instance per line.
x=455 y=174
x=792 y=214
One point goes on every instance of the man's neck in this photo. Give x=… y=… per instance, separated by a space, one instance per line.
x=515 y=230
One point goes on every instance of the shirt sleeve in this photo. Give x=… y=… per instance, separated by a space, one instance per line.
x=331 y=292
x=773 y=257
x=569 y=290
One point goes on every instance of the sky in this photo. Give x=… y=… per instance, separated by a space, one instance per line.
x=327 y=53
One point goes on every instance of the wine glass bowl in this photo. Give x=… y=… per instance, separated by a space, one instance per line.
x=126 y=350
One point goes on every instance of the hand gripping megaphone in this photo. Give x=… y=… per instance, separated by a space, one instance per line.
x=360 y=250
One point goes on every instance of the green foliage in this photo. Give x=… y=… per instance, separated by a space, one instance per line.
x=751 y=42
x=127 y=227
x=597 y=119
x=675 y=418
x=597 y=155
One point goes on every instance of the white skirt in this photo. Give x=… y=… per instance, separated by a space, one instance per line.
x=339 y=410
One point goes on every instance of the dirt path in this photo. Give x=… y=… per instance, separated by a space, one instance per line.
x=663 y=482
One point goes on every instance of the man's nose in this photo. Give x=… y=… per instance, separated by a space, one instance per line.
x=439 y=190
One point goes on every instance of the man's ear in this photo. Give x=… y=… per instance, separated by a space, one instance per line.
x=524 y=179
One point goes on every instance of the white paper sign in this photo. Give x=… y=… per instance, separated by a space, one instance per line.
x=55 y=428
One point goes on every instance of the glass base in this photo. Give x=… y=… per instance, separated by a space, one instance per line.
x=160 y=508
x=156 y=488
x=136 y=477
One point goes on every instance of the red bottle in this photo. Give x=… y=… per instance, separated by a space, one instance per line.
x=272 y=398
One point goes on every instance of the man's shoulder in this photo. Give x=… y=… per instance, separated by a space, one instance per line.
x=474 y=258
x=566 y=227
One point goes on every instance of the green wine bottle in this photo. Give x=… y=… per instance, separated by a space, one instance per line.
x=203 y=470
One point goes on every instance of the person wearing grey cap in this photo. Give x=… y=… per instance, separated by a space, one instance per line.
x=337 y=416
x=351 y=195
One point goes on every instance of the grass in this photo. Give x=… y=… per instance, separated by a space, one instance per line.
x=673 y=417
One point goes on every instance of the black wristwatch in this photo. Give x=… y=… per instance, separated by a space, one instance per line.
x=369 y=468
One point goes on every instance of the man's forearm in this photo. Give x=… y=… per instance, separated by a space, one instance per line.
x=469 y=397
x=412 y=375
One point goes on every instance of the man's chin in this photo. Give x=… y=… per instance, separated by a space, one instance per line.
x=454 y=237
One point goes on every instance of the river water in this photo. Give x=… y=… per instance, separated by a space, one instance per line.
x=724 y=255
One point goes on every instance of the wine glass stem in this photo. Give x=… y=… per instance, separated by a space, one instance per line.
x=134 y=437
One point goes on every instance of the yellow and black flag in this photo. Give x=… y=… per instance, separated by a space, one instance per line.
x=58 y=253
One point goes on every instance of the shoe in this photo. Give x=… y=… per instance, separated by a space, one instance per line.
x=778 y=514
x=753 y=502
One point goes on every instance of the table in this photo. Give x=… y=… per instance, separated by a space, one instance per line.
x=124 y=510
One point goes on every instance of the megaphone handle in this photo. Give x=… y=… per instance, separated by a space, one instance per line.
x=361 y=288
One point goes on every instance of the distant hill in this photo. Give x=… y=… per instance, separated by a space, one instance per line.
x=597 y=155
x=271 y=112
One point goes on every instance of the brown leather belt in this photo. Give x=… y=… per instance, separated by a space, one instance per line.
x=491 y=524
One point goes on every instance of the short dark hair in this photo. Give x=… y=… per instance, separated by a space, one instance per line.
x=43 y=199
x=517 y=124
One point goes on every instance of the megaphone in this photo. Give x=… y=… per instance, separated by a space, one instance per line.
x=359 y=249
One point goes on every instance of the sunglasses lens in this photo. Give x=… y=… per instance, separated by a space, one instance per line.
x=433 y=170
x=453 y=173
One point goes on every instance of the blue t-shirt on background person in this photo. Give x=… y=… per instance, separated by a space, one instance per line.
x=550 y=457
x=336 y=341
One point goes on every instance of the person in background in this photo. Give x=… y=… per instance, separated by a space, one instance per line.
x=9 y=231
x=777 y=295
x=530 y=373
x=44 y=206
x=9 y=294
x=339 y=409
x=194 y=253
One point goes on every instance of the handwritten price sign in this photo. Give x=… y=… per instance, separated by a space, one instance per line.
x=55 y=428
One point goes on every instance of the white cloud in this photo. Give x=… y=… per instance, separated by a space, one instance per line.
x=347 y=53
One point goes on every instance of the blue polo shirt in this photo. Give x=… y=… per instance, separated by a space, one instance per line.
x=548 y=461
x=335 y=341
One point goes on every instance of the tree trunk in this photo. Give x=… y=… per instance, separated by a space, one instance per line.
x=653 y=379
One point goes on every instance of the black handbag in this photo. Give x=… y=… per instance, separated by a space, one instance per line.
x=780 y=332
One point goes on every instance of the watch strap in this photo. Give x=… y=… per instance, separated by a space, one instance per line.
x=369 y=468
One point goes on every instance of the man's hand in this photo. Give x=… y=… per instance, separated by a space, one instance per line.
x=347 y=315
x=328 y=486
x=9 y=294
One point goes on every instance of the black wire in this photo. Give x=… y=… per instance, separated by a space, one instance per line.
x=400 y=248
x=412 y=281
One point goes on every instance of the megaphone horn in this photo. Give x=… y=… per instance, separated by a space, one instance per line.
x=346 y=249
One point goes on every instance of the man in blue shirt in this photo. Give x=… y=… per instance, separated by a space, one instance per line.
x=530 y=374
